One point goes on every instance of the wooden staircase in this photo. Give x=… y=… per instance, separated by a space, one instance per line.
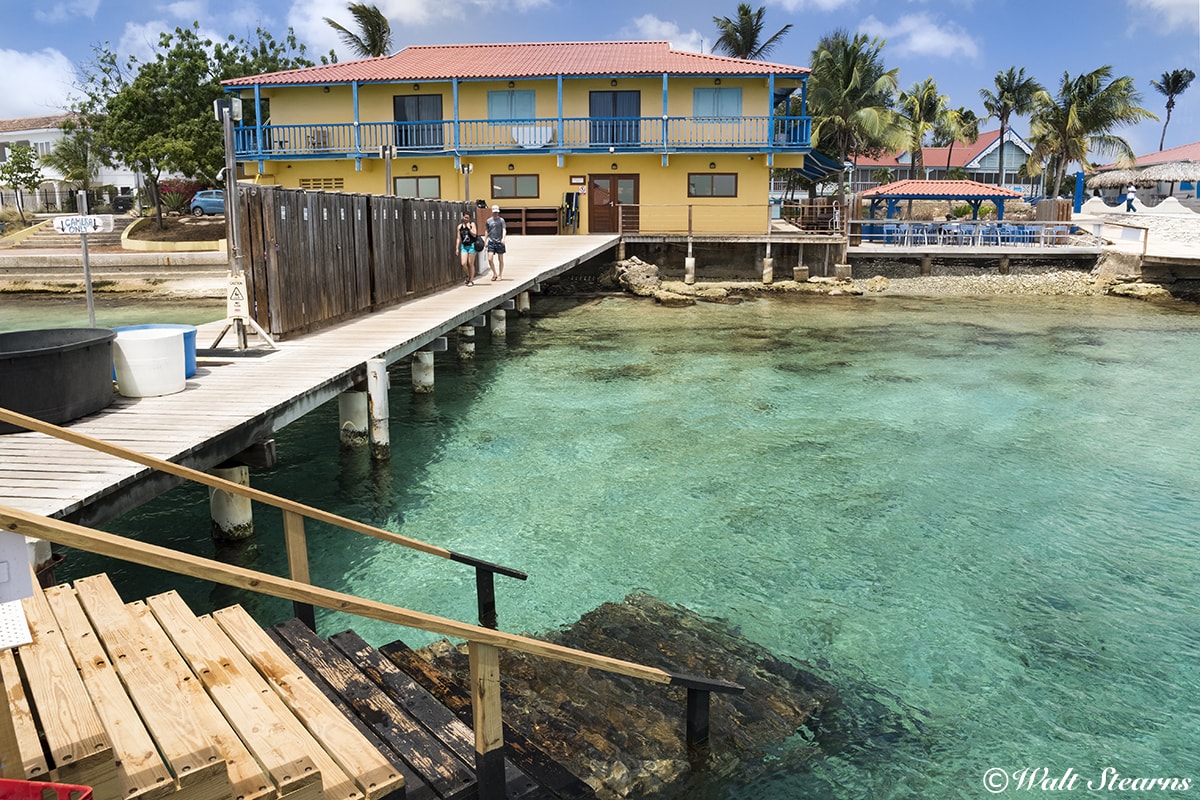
x=145 y=700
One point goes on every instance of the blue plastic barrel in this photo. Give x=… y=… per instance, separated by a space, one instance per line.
x=189 y=342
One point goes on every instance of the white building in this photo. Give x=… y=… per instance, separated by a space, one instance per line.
x=42 y=133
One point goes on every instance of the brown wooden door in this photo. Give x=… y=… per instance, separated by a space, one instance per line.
x=607 y=194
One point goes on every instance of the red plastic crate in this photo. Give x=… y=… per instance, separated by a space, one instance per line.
x=34 y=790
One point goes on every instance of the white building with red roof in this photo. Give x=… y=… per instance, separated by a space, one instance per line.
x=633 y=133
x=42 y=134
x=979 y=161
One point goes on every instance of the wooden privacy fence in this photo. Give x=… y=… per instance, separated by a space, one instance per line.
x=314 y=258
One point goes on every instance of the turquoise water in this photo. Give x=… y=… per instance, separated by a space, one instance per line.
x=977 y=518
x=28 y=311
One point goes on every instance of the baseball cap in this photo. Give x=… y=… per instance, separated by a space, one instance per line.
x=496 y=209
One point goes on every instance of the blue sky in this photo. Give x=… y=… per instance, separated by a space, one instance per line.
x=960 y=43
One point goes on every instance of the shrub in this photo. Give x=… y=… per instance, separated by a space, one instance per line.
x=175 y=202
x=183 y=186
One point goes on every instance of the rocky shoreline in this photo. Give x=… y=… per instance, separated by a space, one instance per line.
x=642 y=279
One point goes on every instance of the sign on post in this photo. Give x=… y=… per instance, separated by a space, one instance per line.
x=235 y=299
x=95 y=223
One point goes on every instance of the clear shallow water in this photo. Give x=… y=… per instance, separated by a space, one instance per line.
x=28 y=311
x=979 y=514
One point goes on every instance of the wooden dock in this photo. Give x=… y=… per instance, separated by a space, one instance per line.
x=231 y=403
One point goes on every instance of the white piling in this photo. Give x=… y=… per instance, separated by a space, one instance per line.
x=499 y=323
x=377 y=407
x=523 y=303
x=689 y=270
x=232 y=514
x=422 y=372
x=768 y=270
x=352 y=418
x=466 y=342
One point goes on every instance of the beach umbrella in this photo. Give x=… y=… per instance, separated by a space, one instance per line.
x=1115 y=179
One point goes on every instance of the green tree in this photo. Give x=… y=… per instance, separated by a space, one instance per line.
x=1172 y=84
x=1080 y=118
x=921 y=108
x=956 y=125
x=158 y=116
x=741 y=37
x=21 y=173
x=1015 y=94
x=374 y=37
x=883 y=175
x=850 y=99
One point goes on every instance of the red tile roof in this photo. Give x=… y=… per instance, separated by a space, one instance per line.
x=935 y=157
x=33 y=123
x=531 y=60
x=1184 y=152
x=940 y=190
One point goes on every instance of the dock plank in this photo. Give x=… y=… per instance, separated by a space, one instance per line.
x=375 y=775
x=141 y=772
x=79 y=749
x=251 y=708
x=434 y=762
x=33 y=762
x=523 y=751
x=198 y=747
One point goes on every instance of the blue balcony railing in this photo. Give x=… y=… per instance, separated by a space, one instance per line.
x=566 y=135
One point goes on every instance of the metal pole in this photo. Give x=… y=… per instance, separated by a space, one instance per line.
x=81 y=209
x=231 y=213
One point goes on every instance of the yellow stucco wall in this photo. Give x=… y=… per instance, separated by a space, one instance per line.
x=663 y=190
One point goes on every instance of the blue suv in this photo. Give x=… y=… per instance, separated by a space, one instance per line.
x=210 y=201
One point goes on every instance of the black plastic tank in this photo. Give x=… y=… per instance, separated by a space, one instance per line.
x=56 y=374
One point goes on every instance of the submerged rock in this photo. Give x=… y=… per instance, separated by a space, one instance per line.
x=626 y=737
x=1140 y=291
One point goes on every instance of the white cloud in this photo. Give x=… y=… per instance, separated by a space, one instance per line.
x=68 y=11
x=1174 y=13
x=921 y=35
x=35 y=84
x=649 y=26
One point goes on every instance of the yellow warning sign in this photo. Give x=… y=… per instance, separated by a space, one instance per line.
x=235 y=301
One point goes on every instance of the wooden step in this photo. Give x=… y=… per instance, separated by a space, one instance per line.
x=518 y=747
x=440 y=721
x=145 y=700
x=436 y=765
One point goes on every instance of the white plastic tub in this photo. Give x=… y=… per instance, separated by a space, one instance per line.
x=149 y=362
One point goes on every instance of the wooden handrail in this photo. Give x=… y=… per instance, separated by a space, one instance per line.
x=298 y=511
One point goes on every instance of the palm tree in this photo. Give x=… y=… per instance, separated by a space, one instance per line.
x=921 y=108
x=1015 y=94
x=1081 y=118
x=740 y=37
x=1173 y=84
x=374 y=38
x=850 y=98
x=883 y=176
x=76 y=156
x=956 y=125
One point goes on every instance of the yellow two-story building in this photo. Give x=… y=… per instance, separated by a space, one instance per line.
x=594 y=137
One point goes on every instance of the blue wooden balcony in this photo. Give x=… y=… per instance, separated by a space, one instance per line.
x=552 y=135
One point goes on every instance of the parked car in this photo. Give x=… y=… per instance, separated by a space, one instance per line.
x=122 y=204
x=210 y=201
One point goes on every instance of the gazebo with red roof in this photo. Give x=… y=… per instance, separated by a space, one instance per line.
x=973 y=193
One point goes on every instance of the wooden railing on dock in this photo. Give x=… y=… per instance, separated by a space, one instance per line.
x=314 y=258
x=483 y=644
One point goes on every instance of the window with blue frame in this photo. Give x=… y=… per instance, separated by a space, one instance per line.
x=511 y=104
x=717 y=101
